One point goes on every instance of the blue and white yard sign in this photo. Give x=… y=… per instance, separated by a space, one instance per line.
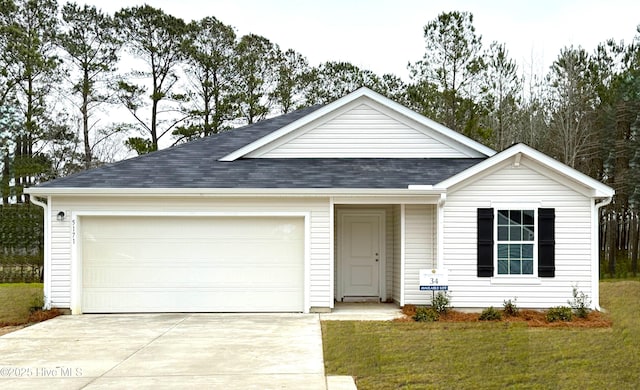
x=434 y=280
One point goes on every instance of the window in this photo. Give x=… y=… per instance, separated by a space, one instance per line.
x=525 y=242
x=516 y=242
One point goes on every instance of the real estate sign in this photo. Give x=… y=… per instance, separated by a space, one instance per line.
x=434 y=279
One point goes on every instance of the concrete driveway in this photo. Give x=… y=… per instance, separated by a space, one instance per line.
x=152 y=351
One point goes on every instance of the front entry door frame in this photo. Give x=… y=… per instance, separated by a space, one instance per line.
x=381 y=216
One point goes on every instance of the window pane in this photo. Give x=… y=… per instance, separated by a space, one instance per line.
x=503 y=268
x=514 y=251
x=527 y=217
x=527 y=267
x=514 y=267
x=503 y=251
x=503 y=233
x=513 y=228
x=527 y=233
x=515 y=233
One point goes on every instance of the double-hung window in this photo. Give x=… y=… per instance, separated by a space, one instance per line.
x=516 y=241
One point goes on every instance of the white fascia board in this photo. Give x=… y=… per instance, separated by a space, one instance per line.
x=600 y=190
x=454 y=135
x=254 y=192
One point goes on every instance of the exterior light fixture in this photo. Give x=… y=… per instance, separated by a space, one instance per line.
x=60 y=216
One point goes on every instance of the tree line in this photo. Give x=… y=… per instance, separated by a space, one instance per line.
x=66 y=67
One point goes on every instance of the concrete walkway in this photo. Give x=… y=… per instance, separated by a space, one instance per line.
x=363 y=311
x=156 y=351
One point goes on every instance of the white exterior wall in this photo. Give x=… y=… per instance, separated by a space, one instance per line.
x=523 y=184
x=61 y=240
x=397 y=254
x=389 y=251
x=363 y=131
x=420 y=250
x=60 y=259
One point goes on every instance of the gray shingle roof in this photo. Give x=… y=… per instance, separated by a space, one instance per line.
x=195 y=165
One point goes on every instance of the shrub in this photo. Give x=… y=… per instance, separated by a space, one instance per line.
x=580 y=303
x=510 y=309
x=37 y=302
x=43 y=315
x=559 y=313
x=409 y=310
x=490 y=314
x=441 y=302
x=426 y=314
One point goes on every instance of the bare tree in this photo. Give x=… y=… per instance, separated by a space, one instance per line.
x=572 y=103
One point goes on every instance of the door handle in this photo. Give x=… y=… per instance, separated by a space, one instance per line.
x=377 y=257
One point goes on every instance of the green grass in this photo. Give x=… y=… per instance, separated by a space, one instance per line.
x=16 y=299
x=405 y=355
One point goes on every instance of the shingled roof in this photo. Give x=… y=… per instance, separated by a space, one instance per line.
x=196 y=165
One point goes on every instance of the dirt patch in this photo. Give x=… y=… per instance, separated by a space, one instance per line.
x=34 y=317
x=12 y=328
x=533 y=318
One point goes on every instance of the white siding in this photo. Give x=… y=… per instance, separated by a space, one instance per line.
x=389 y=252
x=60 y=259
x=397 y=272
x=420 y=250
x=523 y=184
x=363 y=131
x=319 y=295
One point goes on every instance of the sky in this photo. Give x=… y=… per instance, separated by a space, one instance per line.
x=385 y=35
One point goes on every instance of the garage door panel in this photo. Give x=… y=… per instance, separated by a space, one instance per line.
x=172 y=300
x=174 y=276
x=147 y=264
x=216 y=250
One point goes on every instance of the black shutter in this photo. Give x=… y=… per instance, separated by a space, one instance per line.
x=485 y=242
x=546 y=243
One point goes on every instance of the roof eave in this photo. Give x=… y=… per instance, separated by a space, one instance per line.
x=259 y=192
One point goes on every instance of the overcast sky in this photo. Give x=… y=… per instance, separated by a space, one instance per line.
x=384 y=35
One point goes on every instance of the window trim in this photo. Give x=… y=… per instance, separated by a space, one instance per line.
x=508 y=278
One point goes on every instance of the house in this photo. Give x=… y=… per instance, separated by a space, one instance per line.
x=350 y=200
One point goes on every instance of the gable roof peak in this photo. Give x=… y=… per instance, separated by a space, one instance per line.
x=362 y=93
x=516 y=151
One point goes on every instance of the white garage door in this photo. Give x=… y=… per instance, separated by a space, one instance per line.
x=192 y=264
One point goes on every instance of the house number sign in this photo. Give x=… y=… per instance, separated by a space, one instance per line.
x=434 y=280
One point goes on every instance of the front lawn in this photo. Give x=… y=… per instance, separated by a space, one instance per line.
x=15 y=301
x=476 y=355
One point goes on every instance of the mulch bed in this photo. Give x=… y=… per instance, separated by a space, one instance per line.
x=34 y=317
x=533 y=318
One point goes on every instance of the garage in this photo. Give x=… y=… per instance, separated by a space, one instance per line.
x=192 y=264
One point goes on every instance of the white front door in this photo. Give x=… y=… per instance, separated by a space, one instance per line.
x=360 y=255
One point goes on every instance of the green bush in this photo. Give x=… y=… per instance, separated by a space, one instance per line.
x=490 y=314
x=441 y=303
x=580 y=303
x=426 y=314
x=510 y=309
x=559 y=313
